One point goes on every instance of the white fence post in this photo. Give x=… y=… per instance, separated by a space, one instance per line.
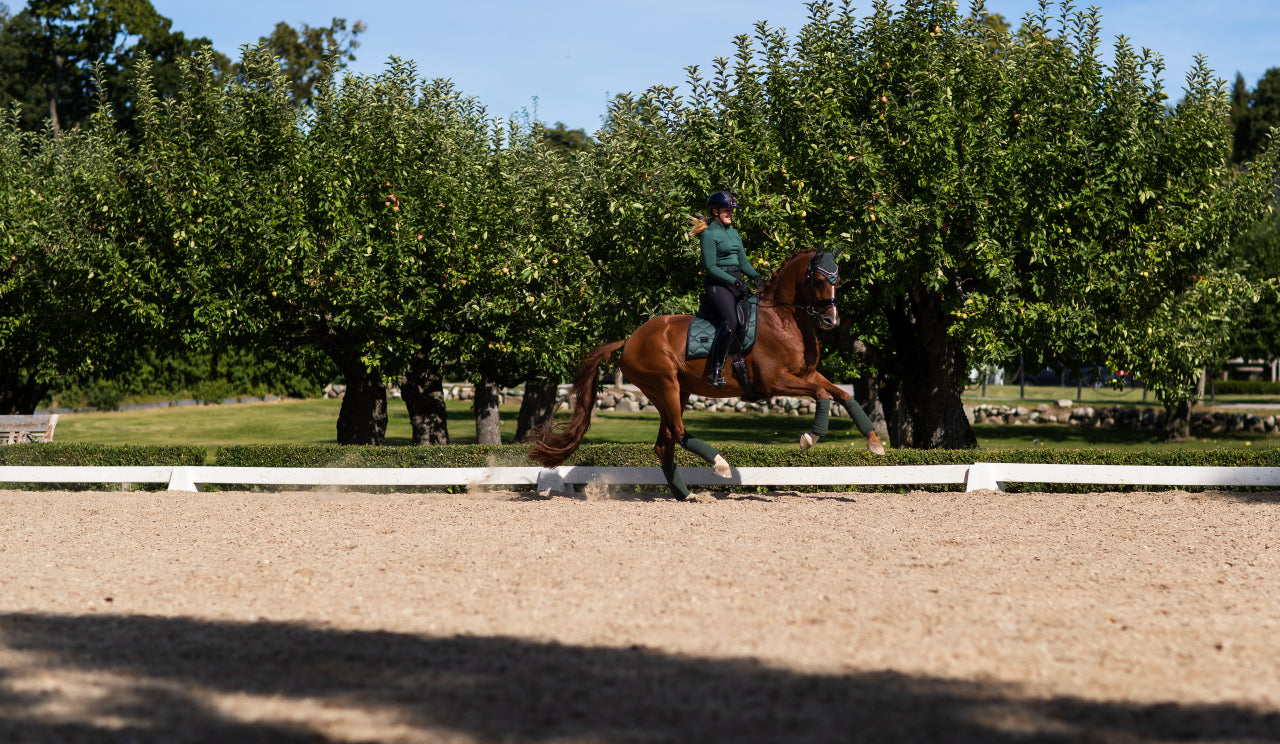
x=181 y=480
x=982 y=477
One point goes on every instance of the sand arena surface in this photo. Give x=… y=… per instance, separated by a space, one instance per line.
x=776 y=617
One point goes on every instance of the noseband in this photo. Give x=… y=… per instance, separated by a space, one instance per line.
x=823 y=265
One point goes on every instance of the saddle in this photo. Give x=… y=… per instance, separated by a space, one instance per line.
x=702 y=329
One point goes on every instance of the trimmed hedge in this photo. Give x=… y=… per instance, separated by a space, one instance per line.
x=341 y=456
x=54 y=453
x=599 y=455
x=1246 y=387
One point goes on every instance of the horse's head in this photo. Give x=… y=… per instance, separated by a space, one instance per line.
x=823 y=277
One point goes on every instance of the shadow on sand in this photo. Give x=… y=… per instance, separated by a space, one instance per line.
x=506 y=689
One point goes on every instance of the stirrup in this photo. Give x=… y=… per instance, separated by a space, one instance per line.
x=717 y=377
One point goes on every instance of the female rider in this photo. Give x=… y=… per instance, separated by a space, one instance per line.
x=725 y=264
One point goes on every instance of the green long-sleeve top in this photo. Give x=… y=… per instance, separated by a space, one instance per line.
x=722 y=249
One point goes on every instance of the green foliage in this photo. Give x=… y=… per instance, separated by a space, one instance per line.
x=524 y=290
x=49 y=50
x=57 y=314
x=991 y=191
x=143 y=376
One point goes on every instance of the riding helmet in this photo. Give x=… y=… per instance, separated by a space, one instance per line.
x=722 y=199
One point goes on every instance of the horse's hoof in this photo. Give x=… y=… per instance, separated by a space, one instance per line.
x=807 y=440
x=721 y=466
x=873 y=444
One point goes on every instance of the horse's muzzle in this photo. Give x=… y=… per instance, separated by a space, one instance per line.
x=829 y=320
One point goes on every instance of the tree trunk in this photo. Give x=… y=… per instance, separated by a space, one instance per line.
x=1178 y=427
x=363 y=416
x=897 y=419
x=52 y=92
x=485 y=405
x=422 y=390
x=536 y=408
x=875 y=407
x=932 y=370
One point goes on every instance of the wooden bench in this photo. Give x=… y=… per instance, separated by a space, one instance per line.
x=34 y=428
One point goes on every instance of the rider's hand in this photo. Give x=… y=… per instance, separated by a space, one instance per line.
x=759 y=283
x=739 y=286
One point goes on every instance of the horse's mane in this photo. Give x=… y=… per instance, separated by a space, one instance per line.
x=773 y=278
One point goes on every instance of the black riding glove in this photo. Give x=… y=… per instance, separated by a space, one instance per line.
x=739 y=287
x=759 y=283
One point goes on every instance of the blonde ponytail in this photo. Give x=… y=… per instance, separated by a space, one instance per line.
x=698 y=226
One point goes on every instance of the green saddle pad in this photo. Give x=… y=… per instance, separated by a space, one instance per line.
x=703 y=330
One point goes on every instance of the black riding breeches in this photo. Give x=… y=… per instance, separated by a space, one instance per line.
x=725 y=305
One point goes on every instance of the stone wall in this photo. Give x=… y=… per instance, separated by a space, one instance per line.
x=624 y=399
x=1117 y=417
x=630 y=399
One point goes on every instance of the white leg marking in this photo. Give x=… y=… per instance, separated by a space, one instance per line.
x=807 y=440
x=721 y=466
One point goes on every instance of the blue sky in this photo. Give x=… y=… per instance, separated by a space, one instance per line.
x=573 y=55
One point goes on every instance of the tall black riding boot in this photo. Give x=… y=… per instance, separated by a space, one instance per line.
x=749 y=393
x=719 y=350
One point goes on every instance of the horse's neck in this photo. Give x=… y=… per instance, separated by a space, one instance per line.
x=787 y=287
x=786 y=305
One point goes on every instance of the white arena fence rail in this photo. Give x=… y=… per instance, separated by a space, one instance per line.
x=978 y=476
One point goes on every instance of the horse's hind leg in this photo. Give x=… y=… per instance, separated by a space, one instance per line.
x=675 y=402
x=665 y=449
x=670 y=404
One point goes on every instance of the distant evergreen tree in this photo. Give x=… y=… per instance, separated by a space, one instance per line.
x=1239 y=117
x=1254 y=116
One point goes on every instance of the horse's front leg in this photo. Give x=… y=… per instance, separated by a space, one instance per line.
x=822 y=390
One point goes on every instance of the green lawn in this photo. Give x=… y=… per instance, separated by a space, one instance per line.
x=313 y=421
x=1089 y=396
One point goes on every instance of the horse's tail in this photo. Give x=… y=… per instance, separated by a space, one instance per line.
x=556 y=443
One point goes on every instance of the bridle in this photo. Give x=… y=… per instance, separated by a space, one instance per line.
x=816 y=306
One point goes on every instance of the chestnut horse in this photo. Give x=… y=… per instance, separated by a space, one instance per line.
x=783 y=361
